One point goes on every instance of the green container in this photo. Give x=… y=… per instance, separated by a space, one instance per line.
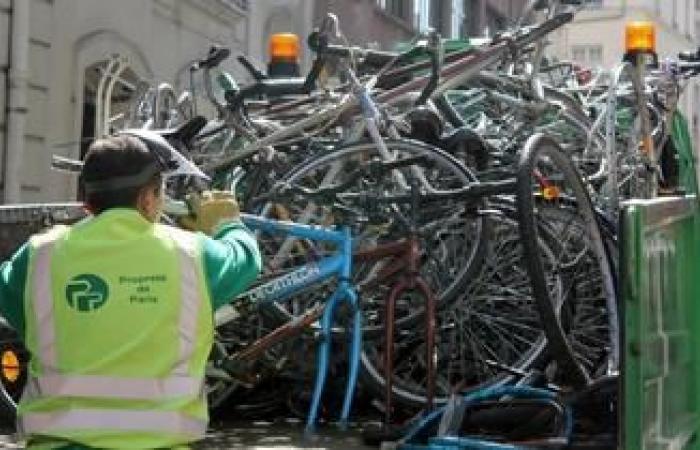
x=660 y=275
x=683 y=142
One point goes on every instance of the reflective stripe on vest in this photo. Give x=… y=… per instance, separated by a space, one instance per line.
x=112 y=387
x=43 y=308
x=53 y=383
x=123 y=420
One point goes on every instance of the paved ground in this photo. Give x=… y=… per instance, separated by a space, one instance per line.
x=286 y=434
x=280 y=435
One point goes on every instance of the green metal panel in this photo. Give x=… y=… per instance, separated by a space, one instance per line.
x=683 y=142
x=659 y=267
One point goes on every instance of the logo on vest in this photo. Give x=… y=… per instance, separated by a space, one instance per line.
x=87 y=292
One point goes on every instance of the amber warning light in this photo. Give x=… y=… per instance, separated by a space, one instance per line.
x=284 y=47
x=640 y=36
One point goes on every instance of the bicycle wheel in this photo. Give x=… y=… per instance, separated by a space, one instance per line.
x=581 y=327
x=584 y=314
x=451 y=234
x=490 y=335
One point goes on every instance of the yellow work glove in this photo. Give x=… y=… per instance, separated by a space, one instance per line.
x=210 y=210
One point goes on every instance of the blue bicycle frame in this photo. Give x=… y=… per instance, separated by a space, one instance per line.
x=281 y=288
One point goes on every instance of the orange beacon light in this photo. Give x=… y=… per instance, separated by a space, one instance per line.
x=284 y=55
x=640 y=37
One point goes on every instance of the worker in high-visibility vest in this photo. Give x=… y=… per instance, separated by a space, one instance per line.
x=117 y=310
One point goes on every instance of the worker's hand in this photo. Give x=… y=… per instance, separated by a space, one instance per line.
x=210 y=210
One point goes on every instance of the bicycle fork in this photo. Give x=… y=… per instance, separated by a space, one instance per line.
x=413 y=282
x=345 y=292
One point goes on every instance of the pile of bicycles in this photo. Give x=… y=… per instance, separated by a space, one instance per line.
x=433 y=224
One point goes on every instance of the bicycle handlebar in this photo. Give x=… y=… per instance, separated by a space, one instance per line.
x=272 y=87
x=256 y=73
x=375 y=58
x=215 y=56
x=689 y=68
x=689 y=55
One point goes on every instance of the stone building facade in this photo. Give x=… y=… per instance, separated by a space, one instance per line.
x=62 y=48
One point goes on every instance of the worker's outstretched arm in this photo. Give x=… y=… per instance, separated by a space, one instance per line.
x=13 y=277
x=232 y=261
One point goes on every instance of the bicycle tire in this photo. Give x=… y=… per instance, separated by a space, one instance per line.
x=445 y=166
x=584 y=317
x=531 y=224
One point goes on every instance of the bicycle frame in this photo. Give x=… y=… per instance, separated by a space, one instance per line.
x=280 y=288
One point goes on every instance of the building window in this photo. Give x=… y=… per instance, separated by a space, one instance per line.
x=470 y=19
x=126 y=90
x=578 y=53
x=457 y=19
x=675 y=13
x=436 y=16
x=589 y=55
x=697 y=5
x=398 y=8
x=446 y=17
x=421 y=14
x=595 y=55
x=593 y=3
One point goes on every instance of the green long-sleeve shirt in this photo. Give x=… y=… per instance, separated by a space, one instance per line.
x=231 y=262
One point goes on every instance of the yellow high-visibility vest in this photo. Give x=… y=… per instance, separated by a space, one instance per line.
x=119 y=326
